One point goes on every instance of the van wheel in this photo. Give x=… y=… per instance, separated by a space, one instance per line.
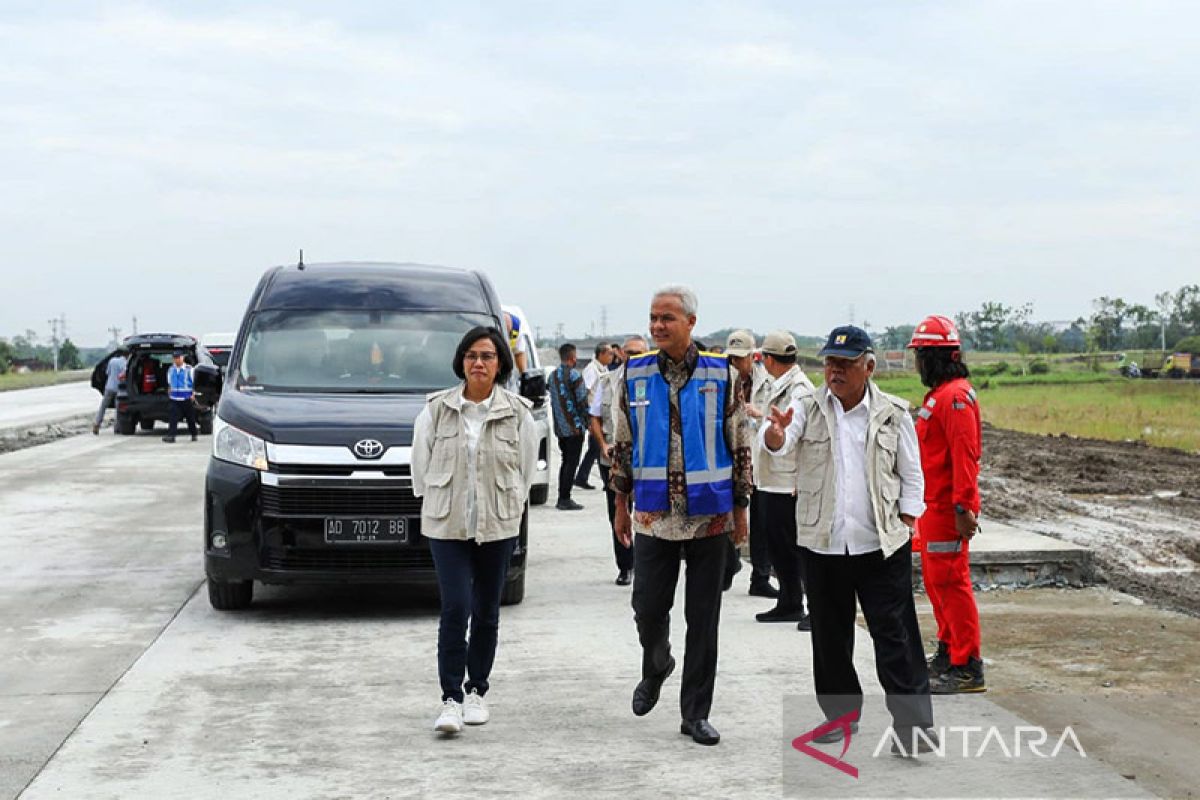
x=147 y=424
x=514 y=591
x=539 y=494
x=126 y=425
x=206 y=425
x=230 y=595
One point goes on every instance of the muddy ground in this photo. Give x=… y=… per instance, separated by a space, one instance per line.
x=1134 y=506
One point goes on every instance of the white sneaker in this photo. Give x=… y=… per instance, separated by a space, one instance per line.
x=475 y=711
x=451 y=718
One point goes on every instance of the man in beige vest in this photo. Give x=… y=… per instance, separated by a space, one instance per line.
x=775 y=482
x=859 y=489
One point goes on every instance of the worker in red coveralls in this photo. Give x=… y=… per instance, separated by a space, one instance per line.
x=951 y=436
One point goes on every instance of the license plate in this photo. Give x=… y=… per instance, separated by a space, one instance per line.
x=349 y=530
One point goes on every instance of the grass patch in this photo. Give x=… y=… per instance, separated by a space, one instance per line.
x=29 y=380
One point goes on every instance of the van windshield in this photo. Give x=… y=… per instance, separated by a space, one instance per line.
x=309 y=350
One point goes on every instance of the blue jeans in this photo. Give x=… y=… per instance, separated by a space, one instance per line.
x=471 y=581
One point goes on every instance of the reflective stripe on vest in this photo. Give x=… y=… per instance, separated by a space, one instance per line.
x=944 y=547
x=708 y=465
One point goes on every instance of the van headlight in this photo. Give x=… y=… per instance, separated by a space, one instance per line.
x=238 y=447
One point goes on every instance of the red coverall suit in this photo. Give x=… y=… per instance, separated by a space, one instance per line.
x=951 y=435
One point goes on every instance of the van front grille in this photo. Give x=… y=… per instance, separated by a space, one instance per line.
x=310 y=501
x=333 y=559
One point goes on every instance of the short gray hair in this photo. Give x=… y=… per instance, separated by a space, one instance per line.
x=687 y=298
x=636 y=338
x=870 y=359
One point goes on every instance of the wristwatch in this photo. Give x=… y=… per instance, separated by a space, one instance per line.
x=959 y=508
x=741 y=502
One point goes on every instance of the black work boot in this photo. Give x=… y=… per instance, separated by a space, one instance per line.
x=964 y=679
x=939 y=662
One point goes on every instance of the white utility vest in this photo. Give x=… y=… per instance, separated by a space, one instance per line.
x=776 y=472
x=816 y=471
x=499 y=495
x=612 y=382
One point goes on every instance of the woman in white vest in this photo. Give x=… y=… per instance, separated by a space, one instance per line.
x=474 y=451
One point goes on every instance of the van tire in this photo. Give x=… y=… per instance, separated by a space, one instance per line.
x=206 y=425
x=514 y=591
x=538 y=495
x=126 y=425
x=230 y=595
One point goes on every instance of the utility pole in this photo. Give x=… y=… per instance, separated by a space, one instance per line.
x=58 y=332
x=135 y=324
x=558 y=332
x=604 y=321
x=115 y=332
x=852 y=313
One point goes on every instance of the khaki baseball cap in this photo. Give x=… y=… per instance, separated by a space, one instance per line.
x=739 y=343
x=779 y=343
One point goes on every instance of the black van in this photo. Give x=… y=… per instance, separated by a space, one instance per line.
x=142 y=396
x=309 y=480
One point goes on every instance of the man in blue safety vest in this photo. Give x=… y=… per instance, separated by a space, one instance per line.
x=683 y=452
x=179 y=389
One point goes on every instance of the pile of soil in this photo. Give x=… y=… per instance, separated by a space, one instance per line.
x=1134 y=506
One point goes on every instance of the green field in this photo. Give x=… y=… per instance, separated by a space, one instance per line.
x=28 y=380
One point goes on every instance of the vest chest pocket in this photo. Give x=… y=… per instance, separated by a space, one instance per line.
x=888 y=442
x=439 y=495
x=506 y=447
x=446 y=445
x=814 y=452
x=508 y=494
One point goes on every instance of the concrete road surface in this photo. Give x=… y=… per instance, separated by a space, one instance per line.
x=117 y=680
x=23 y=408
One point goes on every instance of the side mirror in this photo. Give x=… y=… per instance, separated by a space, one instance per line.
x=208 y=383
x=533 y=386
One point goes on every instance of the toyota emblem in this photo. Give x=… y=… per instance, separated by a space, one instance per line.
x=368 y=448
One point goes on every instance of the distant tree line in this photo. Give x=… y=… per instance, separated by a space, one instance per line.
x=1114 y=325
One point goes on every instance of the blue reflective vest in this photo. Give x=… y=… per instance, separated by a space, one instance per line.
x=708 y=465
x=180 y=382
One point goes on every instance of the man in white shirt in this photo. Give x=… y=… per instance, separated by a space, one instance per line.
x=592 y=373
x=859 y=489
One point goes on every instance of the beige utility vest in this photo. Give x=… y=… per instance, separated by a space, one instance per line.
x=772 y=471
x=816 y=471
x=499 y=496
x=613 y=379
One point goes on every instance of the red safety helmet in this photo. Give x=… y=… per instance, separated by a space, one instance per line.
x=935 y=331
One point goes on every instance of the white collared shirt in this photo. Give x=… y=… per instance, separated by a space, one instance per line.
x=854 y=531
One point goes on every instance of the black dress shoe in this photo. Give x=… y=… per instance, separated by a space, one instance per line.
x=778 y=614
x=902 y=744
x=836 y=735
x=583 y=485
x=763 y=589
x=701 y=731
x=624 y=577
x=645 y=696
x=168 y=438
x=568 y=505
x=804 y=623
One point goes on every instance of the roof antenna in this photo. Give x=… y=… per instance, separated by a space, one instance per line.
x=301 y=264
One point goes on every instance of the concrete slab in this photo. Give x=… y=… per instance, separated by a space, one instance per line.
x=332 y=692
x=1005 y=555
x=45 y=405
x=95 y=563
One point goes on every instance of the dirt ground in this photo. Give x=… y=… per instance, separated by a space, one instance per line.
x=1124 y=674
x=13 y=440
x=1134 y=506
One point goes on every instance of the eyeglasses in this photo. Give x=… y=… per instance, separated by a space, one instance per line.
x=486 y=358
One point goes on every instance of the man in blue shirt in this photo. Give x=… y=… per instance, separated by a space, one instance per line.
x=179 y=388
x=569 y=404
x=112 y=372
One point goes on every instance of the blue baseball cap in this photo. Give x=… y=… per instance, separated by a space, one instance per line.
x=847 y=341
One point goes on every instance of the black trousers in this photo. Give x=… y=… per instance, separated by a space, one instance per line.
x=177 y=409
x=760 y=553
x=656 y=573
x=589 y=458
x=780 y=529
x=470 y=583
x=569 y=448
x=622 y=554
x=883 y=588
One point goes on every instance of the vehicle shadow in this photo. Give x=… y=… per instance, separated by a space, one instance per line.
x=316 y=602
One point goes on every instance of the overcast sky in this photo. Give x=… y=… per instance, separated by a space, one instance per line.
x=787 y=158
